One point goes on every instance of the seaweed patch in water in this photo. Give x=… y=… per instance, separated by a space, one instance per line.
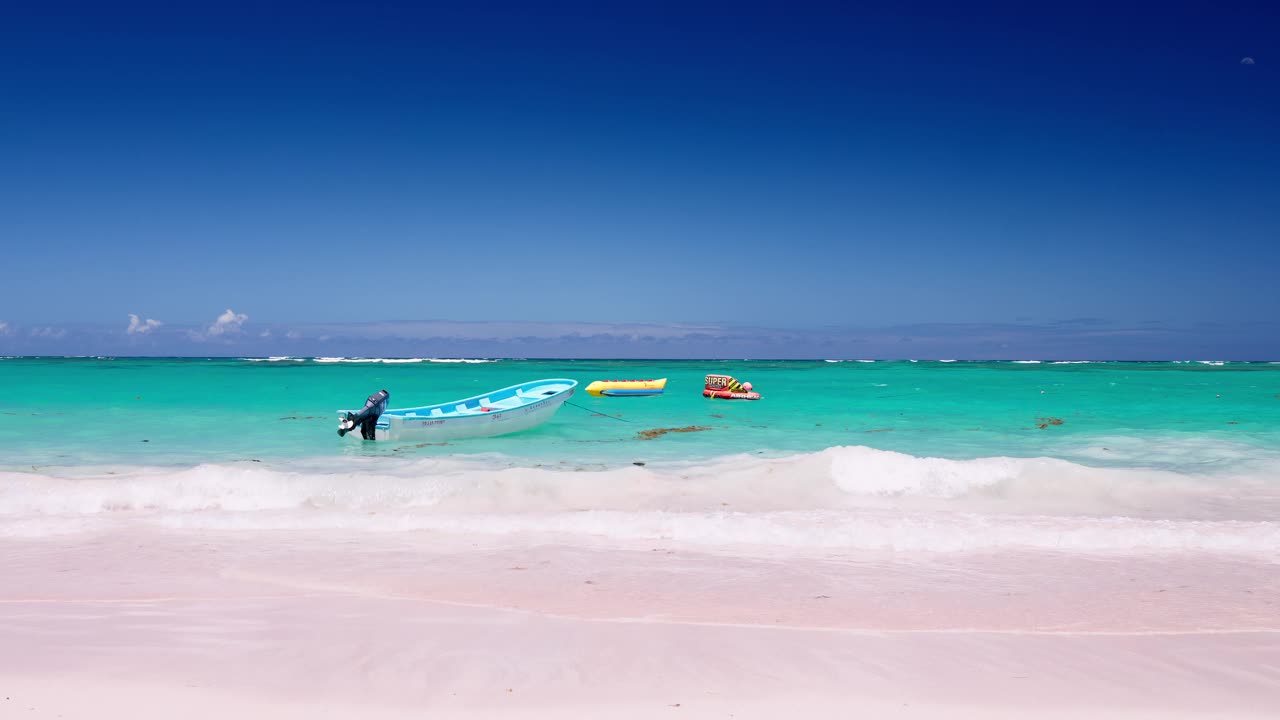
x=420 y=445
x=659 y=432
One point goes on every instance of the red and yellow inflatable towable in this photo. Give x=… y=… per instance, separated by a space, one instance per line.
x=727 y=388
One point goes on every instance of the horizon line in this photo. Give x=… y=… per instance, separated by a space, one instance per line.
x=426 y=358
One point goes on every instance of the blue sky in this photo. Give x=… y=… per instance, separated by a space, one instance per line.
x=671 y=179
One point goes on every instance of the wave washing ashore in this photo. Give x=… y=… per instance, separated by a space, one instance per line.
x=921 y=539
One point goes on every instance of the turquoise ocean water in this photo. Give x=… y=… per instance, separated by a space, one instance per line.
x=77 y=411
x=133 y=437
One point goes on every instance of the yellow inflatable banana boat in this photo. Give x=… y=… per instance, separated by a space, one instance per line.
x=626 y=388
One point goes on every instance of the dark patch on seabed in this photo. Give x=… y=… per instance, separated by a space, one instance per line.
x=420 y=445
x=659 y=432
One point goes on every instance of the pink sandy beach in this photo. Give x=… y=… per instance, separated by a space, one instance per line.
x=179 y=623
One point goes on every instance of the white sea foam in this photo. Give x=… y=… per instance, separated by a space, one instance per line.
x=396 y=361
x=842 y=497
x=1026 y=362
x=820 y=530
x=274 y=358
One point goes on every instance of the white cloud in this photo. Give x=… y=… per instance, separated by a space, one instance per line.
x=293 y=334
x=51 y=333
x=265 y=334
x=228 y=323
x=4 y=328
x=138 y=326
x=1247 y=61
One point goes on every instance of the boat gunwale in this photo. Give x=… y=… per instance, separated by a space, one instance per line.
x=449 y=407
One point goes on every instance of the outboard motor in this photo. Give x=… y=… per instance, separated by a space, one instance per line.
x=367 y=418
